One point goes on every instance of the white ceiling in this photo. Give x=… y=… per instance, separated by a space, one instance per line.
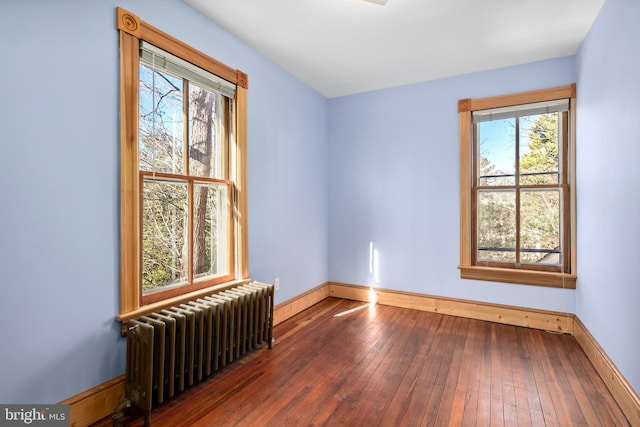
x=342 y=47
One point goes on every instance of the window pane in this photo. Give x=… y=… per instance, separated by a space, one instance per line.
x=163 y=234
x=539 y=149
x=496 y=225
x=160 y=122
x=540 y=227
x=205 y=127
x=496 y=146
x=210 y=230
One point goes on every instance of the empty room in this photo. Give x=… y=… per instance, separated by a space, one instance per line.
x=320 y=212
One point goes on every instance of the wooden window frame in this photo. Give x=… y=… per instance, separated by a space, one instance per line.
x=131 y=30
x=469 y=269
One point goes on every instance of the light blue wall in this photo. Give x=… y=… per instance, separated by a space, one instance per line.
x=608 y=155
x=388 y=159
x=59 y=228
x=394 y=182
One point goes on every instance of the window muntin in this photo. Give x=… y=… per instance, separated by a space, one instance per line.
x=512 y=162
x=186 y=231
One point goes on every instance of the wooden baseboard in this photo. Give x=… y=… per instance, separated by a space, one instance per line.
x=517 y=316
x=96 y=403
x=622 y=392
x=99 y=402
x=293 y=306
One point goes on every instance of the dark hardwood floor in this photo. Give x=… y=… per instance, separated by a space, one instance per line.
x=346 y=363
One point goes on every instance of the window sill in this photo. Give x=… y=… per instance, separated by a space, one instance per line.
x=157 y=306
x=522 y=277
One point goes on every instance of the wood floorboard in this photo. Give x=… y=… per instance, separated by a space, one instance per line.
x=345 y=363
x=473 y=408
x=566 y=395
x=430 y=384
x=406 y=394
x=496 y=396
x=482 y=385
x=455 y=370
x=461 y=385
x=377 y=385
x=539 y=383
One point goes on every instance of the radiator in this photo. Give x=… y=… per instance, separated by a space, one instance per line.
x=172 y=349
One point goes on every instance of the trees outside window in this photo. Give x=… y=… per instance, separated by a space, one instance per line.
x=185 y=197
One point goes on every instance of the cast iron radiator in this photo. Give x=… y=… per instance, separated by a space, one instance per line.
x=172 y=349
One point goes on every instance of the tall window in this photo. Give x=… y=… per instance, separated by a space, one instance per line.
x=516 y=188
x=183 y=134
x=183 y=202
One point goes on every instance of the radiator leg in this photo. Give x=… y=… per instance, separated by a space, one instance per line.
x=119 y=412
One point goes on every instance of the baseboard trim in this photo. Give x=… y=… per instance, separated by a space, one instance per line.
x=622 y=392
x=295 y=305
x=100 y=401
x=510 y=315
x=96 y=403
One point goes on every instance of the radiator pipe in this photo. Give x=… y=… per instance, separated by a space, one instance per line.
x=116 y=418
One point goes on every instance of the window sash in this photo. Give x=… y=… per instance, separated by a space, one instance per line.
x=518 y=247
x=192 y=277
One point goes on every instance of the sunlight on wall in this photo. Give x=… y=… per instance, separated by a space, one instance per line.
x=374 y=269
x=374 y=263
